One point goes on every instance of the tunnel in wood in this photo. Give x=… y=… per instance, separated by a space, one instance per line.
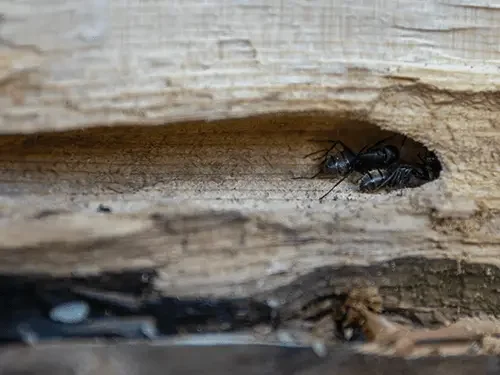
x=250 y=162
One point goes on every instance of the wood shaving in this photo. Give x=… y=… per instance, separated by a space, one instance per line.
x=466 y=336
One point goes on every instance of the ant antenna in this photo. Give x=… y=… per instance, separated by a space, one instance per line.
x=403 y=143
x=307 y=178
x=378 y=142
x=334 y=186
x=334 y=144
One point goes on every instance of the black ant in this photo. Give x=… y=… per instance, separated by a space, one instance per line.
x=399 y=176
x=346 y=161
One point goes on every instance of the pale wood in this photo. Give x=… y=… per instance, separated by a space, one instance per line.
x=221 y=252
x=69 y=64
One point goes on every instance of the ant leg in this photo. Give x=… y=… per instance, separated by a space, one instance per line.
x=334 y=144
x=322 y=140
x=345 y=148
x=378 y=143
x=403 y=143
x=325 y=150
x=110 y=299
x=387 y=183
x=405 y=177
x=334 y=186
x=325 y=140
x=307 y=178
x=401 y=178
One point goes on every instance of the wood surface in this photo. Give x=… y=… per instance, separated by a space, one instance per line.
x=145 y=358
x=428 y=71
x=241 y=87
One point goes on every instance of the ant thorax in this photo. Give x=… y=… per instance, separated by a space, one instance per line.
x=337 y=164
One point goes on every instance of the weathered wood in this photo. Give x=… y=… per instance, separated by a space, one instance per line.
x=76 y=63
x=428 y=71
x=219 y=252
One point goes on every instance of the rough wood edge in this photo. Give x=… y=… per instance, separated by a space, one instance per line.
x=230 y=251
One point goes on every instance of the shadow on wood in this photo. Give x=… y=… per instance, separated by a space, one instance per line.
x=152 y=359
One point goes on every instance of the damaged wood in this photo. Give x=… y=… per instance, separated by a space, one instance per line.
x=221 y=251
x=363 y=309
x=213 y=207
x=422 y=288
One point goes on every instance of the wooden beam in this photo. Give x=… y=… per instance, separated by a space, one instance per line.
x=142 y=358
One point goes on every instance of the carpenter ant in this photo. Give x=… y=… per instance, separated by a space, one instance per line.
x=345 y=162
x=399 y=176
x=395 y=177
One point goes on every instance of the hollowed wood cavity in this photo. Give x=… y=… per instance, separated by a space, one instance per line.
x=250 y=161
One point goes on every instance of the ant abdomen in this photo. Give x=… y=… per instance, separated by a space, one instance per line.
x=373 y=180
x=398 y=176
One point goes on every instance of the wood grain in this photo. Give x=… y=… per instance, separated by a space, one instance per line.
x=229 y=252
x=212 y=204
x=141 y=358
x=72 y=64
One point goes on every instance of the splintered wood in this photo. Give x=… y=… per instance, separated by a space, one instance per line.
x=172 y=135
x=467 y=336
